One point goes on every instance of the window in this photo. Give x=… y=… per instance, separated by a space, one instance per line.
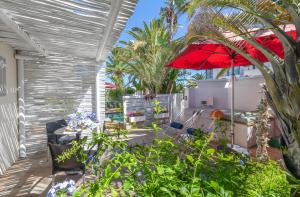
x=237 y=71
x=209 y=74
x=2 y=76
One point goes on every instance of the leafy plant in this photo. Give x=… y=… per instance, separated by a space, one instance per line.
x=244 y=18
x=165 y=168
x=192 y=83
x=146 y=56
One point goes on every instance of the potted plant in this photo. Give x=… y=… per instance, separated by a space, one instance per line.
x=136 y=116
x=163 y=113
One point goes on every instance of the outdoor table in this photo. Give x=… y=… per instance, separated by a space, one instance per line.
x=69 y=135
x=62 y=131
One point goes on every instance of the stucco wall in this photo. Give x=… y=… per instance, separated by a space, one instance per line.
x=9 y=147
x=206 y=89
x=247 y=94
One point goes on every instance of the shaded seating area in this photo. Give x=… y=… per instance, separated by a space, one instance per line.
x=58 y=142
x=67 y=165
x=51 y=127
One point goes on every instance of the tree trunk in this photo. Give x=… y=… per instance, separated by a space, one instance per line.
x=289 y=130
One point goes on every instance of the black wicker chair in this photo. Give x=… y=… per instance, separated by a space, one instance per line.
x=68 y=164
x=53 y=126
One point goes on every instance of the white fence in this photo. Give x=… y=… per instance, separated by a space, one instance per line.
x=138 y=104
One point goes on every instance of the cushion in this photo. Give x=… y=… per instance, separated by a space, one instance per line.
x=176 y=125
x=53 y=126
x=56 y=150
x=66 y=139
x=191 y=131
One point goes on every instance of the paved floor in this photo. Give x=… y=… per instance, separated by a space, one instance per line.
x=32 y=176
x=21 y=178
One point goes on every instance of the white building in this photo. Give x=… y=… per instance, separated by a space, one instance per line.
x=243 y=71
x=51 y=62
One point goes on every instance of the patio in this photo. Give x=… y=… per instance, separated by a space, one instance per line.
x=33 y=176
x=175 y=133
x=53 y=53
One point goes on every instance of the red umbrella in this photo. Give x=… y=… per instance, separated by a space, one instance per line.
x=210 y=54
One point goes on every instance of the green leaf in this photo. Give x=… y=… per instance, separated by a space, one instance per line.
x=160 y=170
x=107 y=170
x=184 y=191
x=127 y=184
x=210 y=151
x=166 y=191
x=117 y=174
x=190 y=158
x=222 y=73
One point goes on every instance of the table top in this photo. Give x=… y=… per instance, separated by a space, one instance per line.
x=62 y=131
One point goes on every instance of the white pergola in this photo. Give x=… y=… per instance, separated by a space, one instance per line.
x=83 y=28
x=65 y=32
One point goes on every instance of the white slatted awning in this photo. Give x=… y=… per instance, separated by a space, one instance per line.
x=81 y=28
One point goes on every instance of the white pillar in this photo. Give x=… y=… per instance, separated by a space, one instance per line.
x=21 y=108
x=100 y=92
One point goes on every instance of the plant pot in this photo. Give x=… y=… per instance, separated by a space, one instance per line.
x=160 y=116
x=137 y=118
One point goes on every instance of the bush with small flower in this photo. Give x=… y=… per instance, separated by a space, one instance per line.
x=66 y=188
x=81 y=120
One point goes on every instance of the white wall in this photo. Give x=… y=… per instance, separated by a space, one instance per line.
x=9 y=147
x=206 y=89
x=247 y=94
x=53 y=90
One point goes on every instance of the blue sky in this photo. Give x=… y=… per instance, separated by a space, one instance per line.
x=145 y=11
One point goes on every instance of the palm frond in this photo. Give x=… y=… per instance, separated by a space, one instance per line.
x=221 y=73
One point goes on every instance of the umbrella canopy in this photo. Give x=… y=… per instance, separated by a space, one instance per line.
x=209 y=54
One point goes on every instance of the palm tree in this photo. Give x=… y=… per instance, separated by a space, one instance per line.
x=148 y=54
x=283 y=80
x=193 y=81
x=116 y=68
x=171 y=12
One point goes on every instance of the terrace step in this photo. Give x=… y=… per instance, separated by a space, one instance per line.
x=41 y=188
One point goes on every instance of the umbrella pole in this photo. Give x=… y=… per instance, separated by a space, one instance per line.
x=232 y=104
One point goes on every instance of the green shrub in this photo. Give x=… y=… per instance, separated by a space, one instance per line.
x=165 y=168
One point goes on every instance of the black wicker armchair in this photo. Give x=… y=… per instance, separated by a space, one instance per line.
x=51 y=127
x=68 y=164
